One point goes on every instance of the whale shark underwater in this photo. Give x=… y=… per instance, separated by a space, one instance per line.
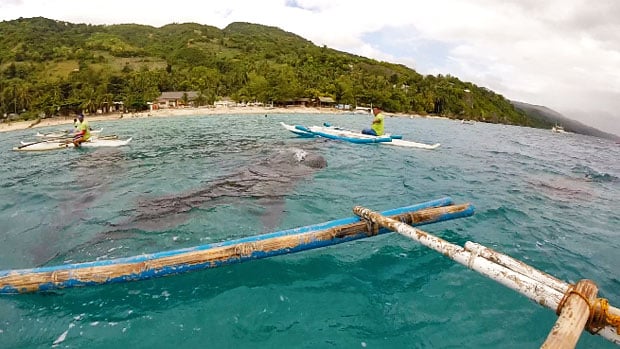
x=266 y=183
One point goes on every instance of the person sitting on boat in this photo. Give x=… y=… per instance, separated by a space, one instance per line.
x=82 y=132
x=377 y=127
x=76 y=123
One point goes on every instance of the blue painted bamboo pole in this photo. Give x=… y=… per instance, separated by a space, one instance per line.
x=218 y=254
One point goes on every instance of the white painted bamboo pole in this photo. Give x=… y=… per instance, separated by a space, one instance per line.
x=535 y=290
x=522 y=268
x=517 y=265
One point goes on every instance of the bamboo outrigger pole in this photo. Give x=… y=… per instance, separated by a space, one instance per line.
x=218 y=254
x=577 y=306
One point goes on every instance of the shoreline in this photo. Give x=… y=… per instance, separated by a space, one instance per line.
x=64 y=120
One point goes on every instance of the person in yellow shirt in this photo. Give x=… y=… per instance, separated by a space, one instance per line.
x=377 y=127
x=82 y=131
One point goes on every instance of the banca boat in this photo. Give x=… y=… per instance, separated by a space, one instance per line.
x=63 y=144
x=558 y=129
x=338 y=133
x=63 y=133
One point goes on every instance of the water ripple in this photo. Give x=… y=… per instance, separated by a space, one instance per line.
x=547 y=200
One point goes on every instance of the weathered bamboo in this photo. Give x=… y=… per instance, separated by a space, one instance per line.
x=516 y=265
x=522 y=268
x=538 y=291
x=573 y=317
x=218 y=254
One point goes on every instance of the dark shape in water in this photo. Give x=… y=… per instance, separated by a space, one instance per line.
x=269 y=181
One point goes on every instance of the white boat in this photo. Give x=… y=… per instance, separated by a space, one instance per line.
x=55 y=145
x=65 y=133
x=558 y=129
x=300 y=133
x=354 y=137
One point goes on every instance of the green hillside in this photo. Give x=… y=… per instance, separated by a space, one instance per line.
x=50 y=67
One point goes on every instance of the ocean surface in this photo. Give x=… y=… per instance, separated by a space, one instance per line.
x=550 y=200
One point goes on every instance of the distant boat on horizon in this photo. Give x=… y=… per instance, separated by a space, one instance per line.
x=558 y=129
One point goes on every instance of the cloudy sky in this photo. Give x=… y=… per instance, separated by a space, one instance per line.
x=563 y=54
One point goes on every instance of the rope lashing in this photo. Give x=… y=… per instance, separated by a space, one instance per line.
x=603 y=317
x=372 y=227
x=599 y=312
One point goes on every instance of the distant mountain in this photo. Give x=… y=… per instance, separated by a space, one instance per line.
x=545 y=117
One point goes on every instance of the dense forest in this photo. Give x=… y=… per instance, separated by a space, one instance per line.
x=50 y=67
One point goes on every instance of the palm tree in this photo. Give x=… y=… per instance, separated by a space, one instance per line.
x=89 y=101
x=22 y=95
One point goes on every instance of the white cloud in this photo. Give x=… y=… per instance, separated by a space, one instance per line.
x=562 y=54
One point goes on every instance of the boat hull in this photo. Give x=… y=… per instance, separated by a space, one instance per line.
x=354 y=137
x=52 y=145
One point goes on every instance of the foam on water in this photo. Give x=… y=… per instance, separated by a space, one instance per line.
x=548 y=199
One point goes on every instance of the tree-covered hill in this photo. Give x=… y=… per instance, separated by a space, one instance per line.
x=53 y=67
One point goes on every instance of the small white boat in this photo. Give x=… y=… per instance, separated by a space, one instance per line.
x=65 y=133
x=558 y=129
x=354 y=137
x=56 y=145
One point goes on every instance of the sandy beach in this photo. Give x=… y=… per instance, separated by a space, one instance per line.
x=63 y=120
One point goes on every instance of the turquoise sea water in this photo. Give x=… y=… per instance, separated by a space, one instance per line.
x=548 y=199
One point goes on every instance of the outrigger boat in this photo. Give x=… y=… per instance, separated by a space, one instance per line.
x=67 y=143
x=337 y=133
x=558 y=129
x=65 y=133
